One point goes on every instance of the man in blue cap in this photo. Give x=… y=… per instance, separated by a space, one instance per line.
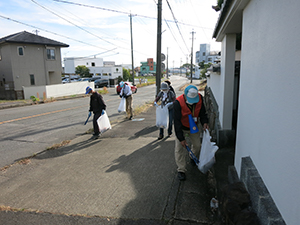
x=127 y=93
x=97 y=106
x=189 y=103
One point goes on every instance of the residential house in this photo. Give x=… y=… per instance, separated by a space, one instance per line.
x=26 y=60
x=258 y=87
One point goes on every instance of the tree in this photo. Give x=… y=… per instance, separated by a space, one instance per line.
x=127 y=75
x=83 y=71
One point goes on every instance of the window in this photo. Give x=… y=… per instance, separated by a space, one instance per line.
x=203 y=53
x=209 y=59
x=93 y=64
x=20 y=50
x=32 y=82
x=50 y=53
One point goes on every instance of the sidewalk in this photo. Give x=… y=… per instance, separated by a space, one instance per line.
x=125 y=177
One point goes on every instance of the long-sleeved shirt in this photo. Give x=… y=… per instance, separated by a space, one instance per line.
x=177 y=118
x=165 y=98
x=97 y=103
x=126 y=90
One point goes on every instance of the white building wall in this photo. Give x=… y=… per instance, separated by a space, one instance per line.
x=72 y=63
x=268 y=119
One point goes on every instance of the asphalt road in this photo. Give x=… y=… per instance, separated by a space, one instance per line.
x=31 y=129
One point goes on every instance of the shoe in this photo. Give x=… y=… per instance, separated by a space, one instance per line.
x=130 y=118
x=95 y=136
x=181 y=176
x=169 y=135
x=160 y=137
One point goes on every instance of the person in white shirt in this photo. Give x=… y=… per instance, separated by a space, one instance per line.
x=127 y=93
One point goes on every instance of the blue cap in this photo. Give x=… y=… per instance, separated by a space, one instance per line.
x=191 y=94
x=121 y=84
x=88 y=89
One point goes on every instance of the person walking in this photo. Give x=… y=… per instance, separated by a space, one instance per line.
x=97 y=106
x=189 y=103
x=167 y=98
x=127 y=93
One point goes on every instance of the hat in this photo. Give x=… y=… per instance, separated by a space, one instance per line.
x=168 y=82
x=164 y=86
x=88 y=89
x=121 y=84
x=191 y=94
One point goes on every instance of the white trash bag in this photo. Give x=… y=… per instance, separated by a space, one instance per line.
x=103 y=123
x=207 y=154
x=122 y=105
x=162 y=116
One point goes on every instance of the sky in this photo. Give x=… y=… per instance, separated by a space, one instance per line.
x=101 y=28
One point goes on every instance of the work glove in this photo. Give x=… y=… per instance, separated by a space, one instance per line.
x=90 y=113
x=169 y=104
x=102 y=112
x=155 y=104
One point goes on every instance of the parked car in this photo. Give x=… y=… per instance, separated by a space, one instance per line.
x=85 y=79
x=133 y=88
x=66 y=80
x=101 y=83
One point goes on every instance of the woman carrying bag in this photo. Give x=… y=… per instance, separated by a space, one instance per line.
x=167 y=98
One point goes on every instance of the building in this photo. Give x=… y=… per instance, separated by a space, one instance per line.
x=148 y=67
x=255 y=93
x=97 y=67
x=26 y=60
x=205 y=55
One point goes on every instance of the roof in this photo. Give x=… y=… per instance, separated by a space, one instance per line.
x=29 y=38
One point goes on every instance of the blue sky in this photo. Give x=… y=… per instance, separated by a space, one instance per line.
x=102 y=27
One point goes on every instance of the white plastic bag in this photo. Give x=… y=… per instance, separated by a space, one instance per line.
x=103 y=123
x=122 y=105
x=207 y=154
x=162 y=116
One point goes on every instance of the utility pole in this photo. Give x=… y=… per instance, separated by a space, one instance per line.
x=131 y=48
x=158 y=48
x=192 y=56
x=167 y=63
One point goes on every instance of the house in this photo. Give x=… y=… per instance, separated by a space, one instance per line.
x=256 y=95
x=26 y=60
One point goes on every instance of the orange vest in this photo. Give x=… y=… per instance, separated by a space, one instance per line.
x=185 y=110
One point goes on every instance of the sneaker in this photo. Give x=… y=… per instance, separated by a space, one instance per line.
x=169 y=135
x=160 y=137
x=95 y=136
x=130 y=118
x=181 y=176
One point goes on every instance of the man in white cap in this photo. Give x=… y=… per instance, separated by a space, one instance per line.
x=189 y=103
x=97 y=106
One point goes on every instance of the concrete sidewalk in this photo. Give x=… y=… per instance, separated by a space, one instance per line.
x=125 y=177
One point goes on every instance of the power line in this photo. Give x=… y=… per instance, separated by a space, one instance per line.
x=176 y=22
x=117 y=11
x=82 y=42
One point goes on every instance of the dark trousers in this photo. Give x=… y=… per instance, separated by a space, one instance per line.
x=95 y=124
x=171 y=115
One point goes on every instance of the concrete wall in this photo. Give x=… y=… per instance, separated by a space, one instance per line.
x=268 y=119
x=57 y=90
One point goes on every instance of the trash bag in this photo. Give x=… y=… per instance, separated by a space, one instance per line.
x=122 y=105
x=207 y=154
x=162 y=116
x=103 y=123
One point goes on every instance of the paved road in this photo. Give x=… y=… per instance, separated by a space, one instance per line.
x=31 y=129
